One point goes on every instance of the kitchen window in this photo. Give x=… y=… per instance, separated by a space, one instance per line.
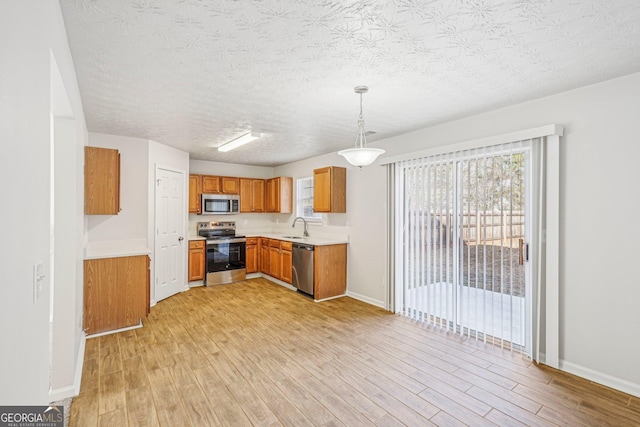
x=304 y=199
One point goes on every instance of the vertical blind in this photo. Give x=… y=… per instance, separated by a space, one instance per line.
x=461 y=236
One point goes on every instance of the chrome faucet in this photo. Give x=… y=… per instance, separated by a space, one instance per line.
x=306 y=232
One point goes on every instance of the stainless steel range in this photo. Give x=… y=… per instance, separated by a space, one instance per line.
x=226 y=256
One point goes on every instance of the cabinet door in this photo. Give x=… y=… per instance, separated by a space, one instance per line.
x=252 y=258
x=274 y=262
x=230 y=185
x=264 y=257
x=195 y=193
x=286 y=266
x=211 y=184
x=322 y=190
x=196 y=260
x=257 y=195
x=102 y=181
x=273 y=195
x=246 y=196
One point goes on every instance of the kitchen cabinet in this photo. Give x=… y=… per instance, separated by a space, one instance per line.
x=264 y=255
x=211 y=184
x=329 y=271
x=101 y=181
x=230 y=185
x=195 y=193
x=286 y=259
x=252 y=195
x=279 y=193
x=116 y=293
x=220 y=184
x=274 y=258
x=330 y=190
x=197 y=258
x=252 y=255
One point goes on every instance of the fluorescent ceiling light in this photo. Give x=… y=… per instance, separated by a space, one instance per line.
x=235 y=143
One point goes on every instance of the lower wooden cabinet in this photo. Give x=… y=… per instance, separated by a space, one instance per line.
x=252 y=255
x=116 y=293
x=329 y=271
x=264 y=255
x=274 y=258
x=286 y=259
x=197 y=260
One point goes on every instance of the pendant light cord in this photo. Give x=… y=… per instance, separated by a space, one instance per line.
x=361 y=139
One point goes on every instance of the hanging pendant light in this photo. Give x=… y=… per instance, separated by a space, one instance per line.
x=361 y=155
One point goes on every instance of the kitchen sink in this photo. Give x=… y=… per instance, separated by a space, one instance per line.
x=293 y=237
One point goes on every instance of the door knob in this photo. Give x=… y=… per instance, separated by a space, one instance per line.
x=180 y=239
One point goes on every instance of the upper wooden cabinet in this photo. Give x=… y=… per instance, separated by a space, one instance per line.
x=252 y=195
x=195 y=193
x=211 y=184
x=330 y=190
x=279 y=195
x=220 y=184
x=101 y=181
x=230 y=185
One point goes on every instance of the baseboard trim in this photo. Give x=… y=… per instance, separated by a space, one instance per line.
x=601 y=378
x=72 y=390
x=330 y=298
x=115 y=331
x=365 y=298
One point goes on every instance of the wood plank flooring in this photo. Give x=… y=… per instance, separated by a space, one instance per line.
x=256 y=354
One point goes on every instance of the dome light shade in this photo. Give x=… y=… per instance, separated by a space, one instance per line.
x=361 y=155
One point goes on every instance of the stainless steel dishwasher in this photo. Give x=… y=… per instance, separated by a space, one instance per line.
x=303 y=268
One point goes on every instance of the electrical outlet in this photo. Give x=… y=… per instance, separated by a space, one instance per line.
x=38 y=281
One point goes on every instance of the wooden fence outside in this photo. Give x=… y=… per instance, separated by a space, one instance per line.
x=491 y=228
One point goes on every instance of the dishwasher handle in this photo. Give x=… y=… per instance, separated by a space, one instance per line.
x=303 y=246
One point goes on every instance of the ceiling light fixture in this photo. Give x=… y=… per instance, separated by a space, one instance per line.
x=361 y=155
x=241 y=140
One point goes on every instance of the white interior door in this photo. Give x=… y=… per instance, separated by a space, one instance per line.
x=169 y=242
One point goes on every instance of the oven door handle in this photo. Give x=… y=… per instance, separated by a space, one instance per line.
x=217 y=242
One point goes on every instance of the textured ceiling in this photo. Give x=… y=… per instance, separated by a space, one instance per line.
x=193 y=74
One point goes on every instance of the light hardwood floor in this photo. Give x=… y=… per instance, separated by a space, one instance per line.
x=255 y=353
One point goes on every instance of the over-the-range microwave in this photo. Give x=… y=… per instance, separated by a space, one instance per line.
x=220 y=204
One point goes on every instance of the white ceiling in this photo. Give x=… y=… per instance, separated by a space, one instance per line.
x=193 y=74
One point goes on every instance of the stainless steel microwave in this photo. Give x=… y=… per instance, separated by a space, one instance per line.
x=220 y=204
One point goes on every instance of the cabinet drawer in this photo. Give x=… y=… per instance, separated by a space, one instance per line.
x=252 y=240
x=286 y=246
x=274 y=243
x=196 y=244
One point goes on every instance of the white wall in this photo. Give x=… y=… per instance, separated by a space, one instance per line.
x=131 y=222
x=599 y=290
x=30 y=34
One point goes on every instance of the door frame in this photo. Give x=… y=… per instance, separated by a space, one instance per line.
x=152 y=231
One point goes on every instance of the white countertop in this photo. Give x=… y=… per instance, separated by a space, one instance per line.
x=116 y=248
x=315 y=241
x=311 y=240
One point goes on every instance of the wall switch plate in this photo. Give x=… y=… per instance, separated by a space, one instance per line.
x=38 y=281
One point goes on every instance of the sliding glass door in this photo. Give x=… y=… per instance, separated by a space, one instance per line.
x=462 y=227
